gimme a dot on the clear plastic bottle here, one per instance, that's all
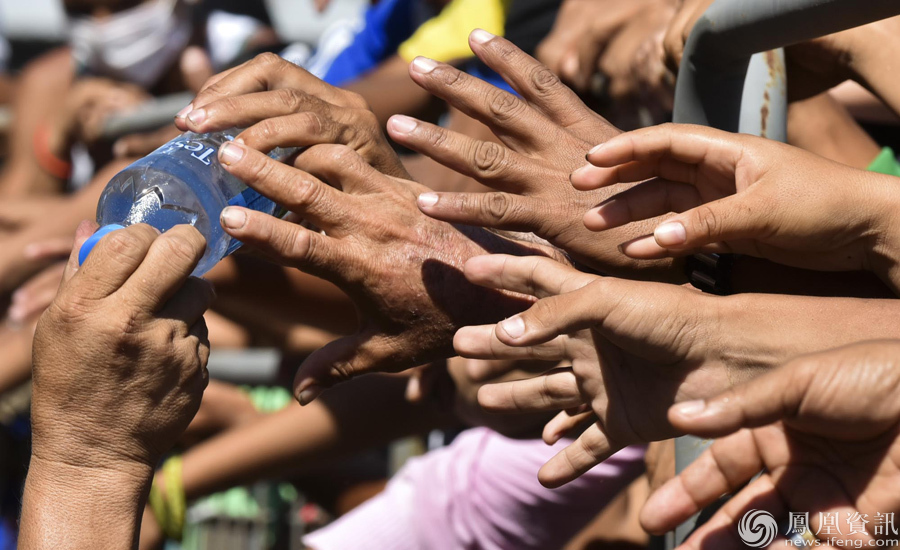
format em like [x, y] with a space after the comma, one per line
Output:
[182, 182]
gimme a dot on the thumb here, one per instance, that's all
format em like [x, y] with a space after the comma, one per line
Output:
[196, 68]
[760, 402]
[729, 219]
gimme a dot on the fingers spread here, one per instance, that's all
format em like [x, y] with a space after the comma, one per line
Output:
[532, 275]
[721, 529]
[547, 392]
[171, 259]
[486, 161]
[511, 118]
[726, 466]
[534, 81]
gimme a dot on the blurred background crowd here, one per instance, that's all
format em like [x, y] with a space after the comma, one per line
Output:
[89, 86]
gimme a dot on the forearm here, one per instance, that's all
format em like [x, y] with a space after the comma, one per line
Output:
[762, 331]
[875, 65]
[73, 507]
[340, 422]
[823, 126]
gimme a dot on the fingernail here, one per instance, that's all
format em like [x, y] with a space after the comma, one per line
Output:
[403, 124]
[596, 149]
[423, 65]
[120, 148]
[197, 116]
[481, 36]
[182, 113]
[514, 326]
[427, 200]
[308, 395]
[230, 153]
[670, 234]
[690, 408]
[233, 218]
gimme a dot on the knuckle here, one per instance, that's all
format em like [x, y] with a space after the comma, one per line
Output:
[543, 80]
[180, 246]
[435, 136]
[496, 205]
[304, 193]
[504, 106]
[706, 221]
[294, 100]
[267, 130]
[127, 241]
[489, 158]
[259, 168]
[354, 99]
[346, 158]
[268, 60]
[448, 76]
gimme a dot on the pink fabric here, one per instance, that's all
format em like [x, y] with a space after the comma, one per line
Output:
[480, 492]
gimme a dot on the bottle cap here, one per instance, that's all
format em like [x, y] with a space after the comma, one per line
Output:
[94, 239]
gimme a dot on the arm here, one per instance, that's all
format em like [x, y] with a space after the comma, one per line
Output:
[272, 446]
[67, 506]
[40, 98]
[134, 328]
[823, 126]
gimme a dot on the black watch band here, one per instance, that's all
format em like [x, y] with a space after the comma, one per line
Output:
[710, 273]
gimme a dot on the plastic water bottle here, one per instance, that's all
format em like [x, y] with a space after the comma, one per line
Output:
[182, 182]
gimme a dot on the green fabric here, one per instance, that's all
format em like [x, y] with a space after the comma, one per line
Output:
[886, 163]
[268, 399]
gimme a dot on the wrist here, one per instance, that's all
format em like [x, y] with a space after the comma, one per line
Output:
[883, 239]
[82, 507]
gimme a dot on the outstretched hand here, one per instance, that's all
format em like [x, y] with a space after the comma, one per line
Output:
[826, 429]
[402, 269]
[746, 195]
[635, 348]
[282, 105]
[545, 134]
